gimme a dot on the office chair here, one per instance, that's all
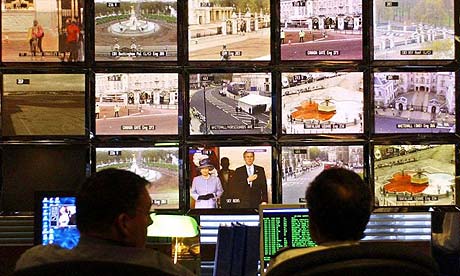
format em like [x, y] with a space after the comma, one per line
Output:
[90, 268]
[368, 258]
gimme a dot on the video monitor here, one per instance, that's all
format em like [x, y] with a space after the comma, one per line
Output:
[56, 220]
[136, 103]
[38, 31]
[226, 177]
[414, 102]
[413, 30]
[321, 30]
[282, 226]
[414, 175]
[301, 164]
[30, 168]
[230, 103]
[233, 30]
[158, 165]
[43, 105]
[326, 102]
[128, 30]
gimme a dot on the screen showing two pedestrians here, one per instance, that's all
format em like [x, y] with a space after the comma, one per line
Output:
[34, 31]
[136, 103]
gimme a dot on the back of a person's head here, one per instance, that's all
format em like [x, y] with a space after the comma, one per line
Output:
[105, 195]
[340, 204]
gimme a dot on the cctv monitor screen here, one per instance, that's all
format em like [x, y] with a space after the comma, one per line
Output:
[135, 30]
[326, 102]
[43, 31]
[413, 30]
[414, 102]
[414, 175]
[307, 34]
[234, 30]
[283, 226]
[30, 168]
[43, 104]
[219, 177]
[301, 164]
[230, 103]
[158, 165]
[57, 220]
[136, 103]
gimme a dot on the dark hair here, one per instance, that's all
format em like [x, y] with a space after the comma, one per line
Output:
[105, 195]
[247, 151]
[340, 204]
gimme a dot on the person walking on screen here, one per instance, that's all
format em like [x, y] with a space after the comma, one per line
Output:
[301, 35]
[116, 111]
[206, 188]
[36, 34]
[73, 36]
[250, 183]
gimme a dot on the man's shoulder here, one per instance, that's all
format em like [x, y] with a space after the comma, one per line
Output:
[292, 253]
[240, 168]
[42, 254]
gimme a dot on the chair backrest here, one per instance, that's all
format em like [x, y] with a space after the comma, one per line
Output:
[89, 268]
[376, 259]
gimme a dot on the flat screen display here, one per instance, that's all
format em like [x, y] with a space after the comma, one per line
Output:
[58, 221]
[42, 31]
[283, 226]
[219, 177]
[414, 175]
[413, 30]
[414, 102]
[319, 30]
[159, 166]
[326, 102]
[30, 168]
[301, 164]
[233, 30]
[230, 103]
[135, 30]
[43, 104]
[136, 103]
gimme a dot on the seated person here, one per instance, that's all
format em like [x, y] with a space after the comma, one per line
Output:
[113, 212]
[339, 204]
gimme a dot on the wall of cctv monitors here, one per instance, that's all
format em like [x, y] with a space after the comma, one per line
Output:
[187, 92]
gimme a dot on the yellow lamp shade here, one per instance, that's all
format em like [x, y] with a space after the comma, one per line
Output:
[172, 226]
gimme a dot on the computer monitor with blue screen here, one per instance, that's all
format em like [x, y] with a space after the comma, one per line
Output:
[282, 226]
[55, 219]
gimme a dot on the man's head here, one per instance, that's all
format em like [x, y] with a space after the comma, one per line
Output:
[340, 206]
[248, 157]
[114, 204]
[224, 163]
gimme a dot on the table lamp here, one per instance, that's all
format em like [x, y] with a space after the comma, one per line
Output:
[174, 226]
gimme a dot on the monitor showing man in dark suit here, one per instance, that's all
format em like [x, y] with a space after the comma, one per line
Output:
[250, 183]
